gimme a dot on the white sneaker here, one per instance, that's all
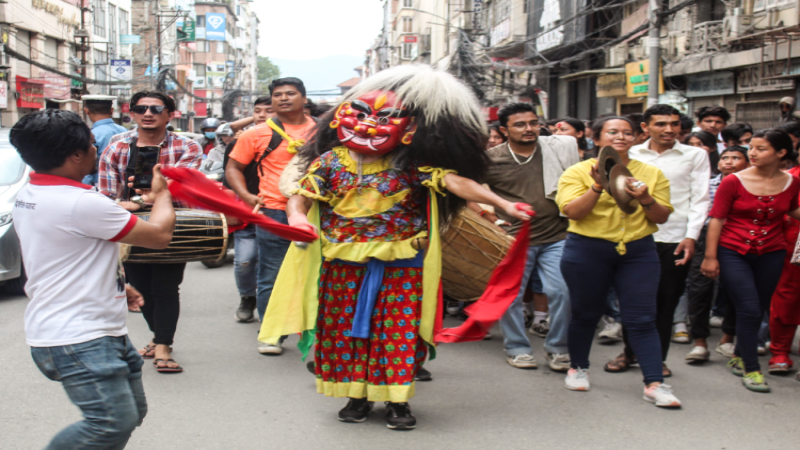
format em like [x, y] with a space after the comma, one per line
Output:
[270, 349]
[558, 362]
[612, 332]
[540, 329]
[762, 350]
[662, 396]
[715, 322]
[523, 361]
[725, 350]
[698, 354]
[577, 380]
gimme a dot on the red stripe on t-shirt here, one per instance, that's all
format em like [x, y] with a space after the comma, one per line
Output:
[127, 229]
[43, 179]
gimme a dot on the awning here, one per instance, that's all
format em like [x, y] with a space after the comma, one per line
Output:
[592, 73]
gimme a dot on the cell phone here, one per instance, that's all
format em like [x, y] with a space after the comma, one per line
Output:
[146, 159]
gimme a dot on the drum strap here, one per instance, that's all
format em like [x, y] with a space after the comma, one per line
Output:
[370, 286]
[130, 169]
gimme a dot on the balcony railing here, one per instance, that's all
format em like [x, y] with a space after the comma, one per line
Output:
[707, 37]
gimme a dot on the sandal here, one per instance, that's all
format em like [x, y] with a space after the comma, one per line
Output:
[665, 372]
[148, 352]
[619, 364]
[166, 368]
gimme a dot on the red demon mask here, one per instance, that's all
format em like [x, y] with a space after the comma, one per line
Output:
[375, 123]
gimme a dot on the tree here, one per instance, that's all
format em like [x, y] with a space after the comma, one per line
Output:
[267, 71]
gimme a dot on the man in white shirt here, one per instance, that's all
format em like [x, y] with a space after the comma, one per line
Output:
[75, 321]
[687, 170]
[713, 119]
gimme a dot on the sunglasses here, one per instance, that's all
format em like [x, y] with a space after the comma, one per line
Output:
[142, 109]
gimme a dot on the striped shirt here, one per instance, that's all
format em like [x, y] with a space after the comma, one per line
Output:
[713, 185]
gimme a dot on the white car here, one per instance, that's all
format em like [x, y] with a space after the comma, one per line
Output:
[14, 174]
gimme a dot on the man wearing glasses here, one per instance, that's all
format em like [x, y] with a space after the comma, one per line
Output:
[158, 283]
[526, 169]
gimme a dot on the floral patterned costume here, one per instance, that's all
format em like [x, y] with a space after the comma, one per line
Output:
[365, 226]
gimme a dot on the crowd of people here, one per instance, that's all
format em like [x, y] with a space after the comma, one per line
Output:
[654, 226]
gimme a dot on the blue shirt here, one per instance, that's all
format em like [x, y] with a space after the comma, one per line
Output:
[103, 131]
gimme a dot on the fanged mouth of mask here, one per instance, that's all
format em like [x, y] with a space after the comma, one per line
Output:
[350, 135]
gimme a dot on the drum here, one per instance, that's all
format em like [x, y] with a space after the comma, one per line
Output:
[471, 249]
[199, 236]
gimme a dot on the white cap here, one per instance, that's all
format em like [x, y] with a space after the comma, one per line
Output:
[99, 97]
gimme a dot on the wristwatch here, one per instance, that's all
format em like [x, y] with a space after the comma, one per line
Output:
[139, 201]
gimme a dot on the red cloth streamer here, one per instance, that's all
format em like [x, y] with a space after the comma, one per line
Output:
[503, 288]
[192, 187]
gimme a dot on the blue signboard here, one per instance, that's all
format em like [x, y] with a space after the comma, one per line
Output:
[126, 39]
[215, 27]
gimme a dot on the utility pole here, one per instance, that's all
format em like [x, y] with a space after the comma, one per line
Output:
[152, 67]
[158, 37]
[653, 42]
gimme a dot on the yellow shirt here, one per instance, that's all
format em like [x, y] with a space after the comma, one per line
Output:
[606, 220]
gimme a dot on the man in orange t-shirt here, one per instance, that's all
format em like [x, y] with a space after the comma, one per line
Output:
[288, 98]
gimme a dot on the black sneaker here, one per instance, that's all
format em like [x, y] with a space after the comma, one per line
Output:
[399, 417]
[356, 410]
[246, 307]
[311, 366]
[423, 375]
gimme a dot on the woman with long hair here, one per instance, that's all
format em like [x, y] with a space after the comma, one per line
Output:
[745, 244]
[607, 247]
[708, 142]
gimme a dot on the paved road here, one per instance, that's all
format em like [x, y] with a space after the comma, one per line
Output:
[230, 397]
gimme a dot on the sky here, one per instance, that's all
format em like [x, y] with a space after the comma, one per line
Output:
[313, 29]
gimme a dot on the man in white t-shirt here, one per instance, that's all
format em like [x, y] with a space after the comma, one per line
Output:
[75, 322]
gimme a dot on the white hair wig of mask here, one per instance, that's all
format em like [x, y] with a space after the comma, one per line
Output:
[435, 93]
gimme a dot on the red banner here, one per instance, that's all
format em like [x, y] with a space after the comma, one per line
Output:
[30, 93]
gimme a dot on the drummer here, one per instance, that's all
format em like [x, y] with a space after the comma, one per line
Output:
[158, 283]
[607, 247]
[526, 169]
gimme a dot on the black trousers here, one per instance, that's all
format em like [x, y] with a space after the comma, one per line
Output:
[701, 292]
[159, 285]
[671, 284]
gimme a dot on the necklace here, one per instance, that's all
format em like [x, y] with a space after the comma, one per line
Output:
[514, 155]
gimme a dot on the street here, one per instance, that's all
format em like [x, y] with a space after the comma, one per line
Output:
[230, 397]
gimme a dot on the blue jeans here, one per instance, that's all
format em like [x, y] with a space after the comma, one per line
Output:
[271, 251]
[103, 377]
[750, 281]
[245, 260]
[545, 258]
[682, 310]
[592, 266]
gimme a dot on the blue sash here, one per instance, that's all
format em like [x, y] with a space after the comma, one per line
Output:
[370, 287]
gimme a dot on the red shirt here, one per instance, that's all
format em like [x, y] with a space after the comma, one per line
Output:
[753, 224]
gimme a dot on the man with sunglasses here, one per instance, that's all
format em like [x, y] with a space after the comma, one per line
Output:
[158, 283]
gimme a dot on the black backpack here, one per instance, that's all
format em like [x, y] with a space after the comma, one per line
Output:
[252, 171]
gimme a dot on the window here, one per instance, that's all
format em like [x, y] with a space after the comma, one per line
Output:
[203, 46]
[112, 30]
[238, 10]
[220, 46]
[408, 24]
[124, 24]
[526, 6]
[407, 49]
[201, 21]
[408, 3]
[99, 17]
[200, 70]
[100, 62]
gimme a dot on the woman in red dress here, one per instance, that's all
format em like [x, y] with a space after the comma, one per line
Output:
[745, 242]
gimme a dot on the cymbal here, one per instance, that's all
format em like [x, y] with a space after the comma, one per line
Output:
[606, 159]
[616, 188]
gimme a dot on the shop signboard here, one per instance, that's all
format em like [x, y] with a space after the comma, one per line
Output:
[30, 93]
[3, 94]
[56, 86]
[187, 32]
[121, 69]
[611, 85]
[215, 27]
[215, 74]
[127, 39]
[710, 84]
[637, 78]
[749, 80]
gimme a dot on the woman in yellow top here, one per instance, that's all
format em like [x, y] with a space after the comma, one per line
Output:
[606, 247]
